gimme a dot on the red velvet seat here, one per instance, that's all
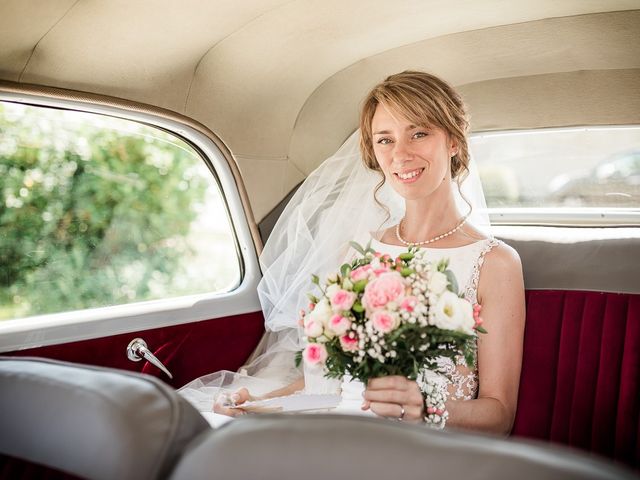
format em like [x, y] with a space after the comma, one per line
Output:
[581, 372]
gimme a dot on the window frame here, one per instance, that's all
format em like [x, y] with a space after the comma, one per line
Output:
[587, 217]
[64, 327]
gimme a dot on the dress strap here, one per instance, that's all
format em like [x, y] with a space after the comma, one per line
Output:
[471, 291]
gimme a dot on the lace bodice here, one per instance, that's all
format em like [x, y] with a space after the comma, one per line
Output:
[466, 264]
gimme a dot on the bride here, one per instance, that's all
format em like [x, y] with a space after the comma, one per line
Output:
[404, 179]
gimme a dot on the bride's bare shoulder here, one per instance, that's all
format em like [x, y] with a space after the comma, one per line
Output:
[502, 258]
[502, 266]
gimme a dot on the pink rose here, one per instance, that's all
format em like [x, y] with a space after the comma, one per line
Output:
[314, 354]
[339, 324]
[360, 273]
[383, 321]
[348, 343]
[409, 303]
[342, 300]
[388, 287]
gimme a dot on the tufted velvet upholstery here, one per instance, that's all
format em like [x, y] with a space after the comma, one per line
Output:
[581, 372]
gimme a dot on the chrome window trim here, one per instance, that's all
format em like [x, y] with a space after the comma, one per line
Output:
[562, 216]
[79, 325]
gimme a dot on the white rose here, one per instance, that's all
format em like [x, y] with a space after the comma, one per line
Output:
[438, 283]
[321, 313]
[453, 313]
[312, 328]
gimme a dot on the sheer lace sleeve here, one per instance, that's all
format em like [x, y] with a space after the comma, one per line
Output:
[462, 380]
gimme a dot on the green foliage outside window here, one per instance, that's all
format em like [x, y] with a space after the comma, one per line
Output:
[94, 211]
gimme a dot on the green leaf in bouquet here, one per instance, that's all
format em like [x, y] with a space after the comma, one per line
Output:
[345, 270]
[312, 298]
[481, 329]
[358, 248]
[393, 336]
[453, 283]
[414, 371]
[298, 358]
[468, 357]
[442, 265]
[358, 287]
[406, 256]
[368, 248]
[315, 279]
[357, 307]
[405, 272]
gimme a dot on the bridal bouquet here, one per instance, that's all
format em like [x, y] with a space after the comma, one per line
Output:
[387, 316]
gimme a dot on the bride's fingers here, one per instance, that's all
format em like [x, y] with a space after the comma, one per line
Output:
[394, 382]
[226, 402]
[389, 396]
[401, 397]
[240, 396]
[394, 410]
[221, 409]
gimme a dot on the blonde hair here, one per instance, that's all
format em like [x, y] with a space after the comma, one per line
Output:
[424, 100]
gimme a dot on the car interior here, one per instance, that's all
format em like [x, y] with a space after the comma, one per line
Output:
[256, 95]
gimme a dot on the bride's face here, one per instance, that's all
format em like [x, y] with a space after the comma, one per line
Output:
[414, 159]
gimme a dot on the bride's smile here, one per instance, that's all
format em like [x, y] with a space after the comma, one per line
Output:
[409, 176]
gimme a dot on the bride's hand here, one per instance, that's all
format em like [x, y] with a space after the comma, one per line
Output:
[224, 403]
[394, 397]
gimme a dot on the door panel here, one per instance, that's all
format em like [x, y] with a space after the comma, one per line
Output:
[188, 351]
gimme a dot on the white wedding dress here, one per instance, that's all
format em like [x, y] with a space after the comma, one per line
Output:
[461, 381]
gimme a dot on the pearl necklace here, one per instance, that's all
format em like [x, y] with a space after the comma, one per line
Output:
[431, 240]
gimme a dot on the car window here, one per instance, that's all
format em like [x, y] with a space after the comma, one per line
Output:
[100, 211]
[569, 167]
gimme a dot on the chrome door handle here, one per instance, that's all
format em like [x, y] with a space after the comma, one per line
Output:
[137, 350]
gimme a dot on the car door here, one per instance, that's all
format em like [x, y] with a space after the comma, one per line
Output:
[123, 222]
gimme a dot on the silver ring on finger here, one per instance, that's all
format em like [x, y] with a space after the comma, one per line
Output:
[401, 417]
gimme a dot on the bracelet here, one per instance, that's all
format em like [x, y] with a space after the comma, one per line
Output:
[435, 396]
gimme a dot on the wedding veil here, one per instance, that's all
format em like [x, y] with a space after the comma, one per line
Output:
[333, 206]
